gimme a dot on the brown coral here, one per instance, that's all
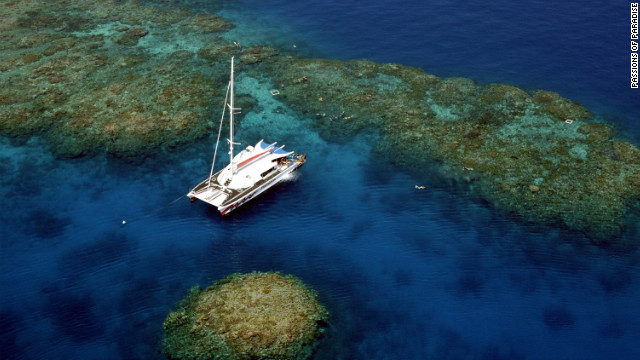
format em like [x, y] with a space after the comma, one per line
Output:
[246, 316]
[131, 37]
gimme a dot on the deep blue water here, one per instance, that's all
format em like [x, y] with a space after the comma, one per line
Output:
[406, 274]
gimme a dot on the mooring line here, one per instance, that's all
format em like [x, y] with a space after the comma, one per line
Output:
[124, 222]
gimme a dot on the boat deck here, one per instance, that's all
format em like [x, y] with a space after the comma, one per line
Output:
[221, 196]
[237, 195]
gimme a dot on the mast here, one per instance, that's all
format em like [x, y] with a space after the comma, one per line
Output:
[233, 170]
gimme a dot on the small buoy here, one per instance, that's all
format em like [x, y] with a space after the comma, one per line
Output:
[124, 222]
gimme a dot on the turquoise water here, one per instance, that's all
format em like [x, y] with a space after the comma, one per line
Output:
[406, 273]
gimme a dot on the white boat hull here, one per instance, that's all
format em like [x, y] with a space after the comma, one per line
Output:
[226, 199]
[259, 190]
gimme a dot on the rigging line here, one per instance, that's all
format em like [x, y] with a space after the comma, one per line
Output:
[154, 211]
[224, 108]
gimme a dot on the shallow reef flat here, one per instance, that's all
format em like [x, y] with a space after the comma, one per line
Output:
[109, 76]
[537, 155]
[127, 78]
[260, 315]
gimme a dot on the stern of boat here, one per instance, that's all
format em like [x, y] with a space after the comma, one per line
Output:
[209, 194]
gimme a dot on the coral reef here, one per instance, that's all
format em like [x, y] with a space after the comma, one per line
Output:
[246, 316]
[79, 74]
[206, 23]
[536, 155]
[131, 37]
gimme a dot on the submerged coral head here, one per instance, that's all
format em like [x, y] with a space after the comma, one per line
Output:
[246, 316]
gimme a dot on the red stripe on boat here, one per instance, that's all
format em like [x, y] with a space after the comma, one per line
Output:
[252, 158]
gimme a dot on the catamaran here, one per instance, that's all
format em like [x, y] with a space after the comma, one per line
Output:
[249, 173]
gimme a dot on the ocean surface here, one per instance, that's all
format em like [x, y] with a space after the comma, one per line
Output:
[405, 273]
